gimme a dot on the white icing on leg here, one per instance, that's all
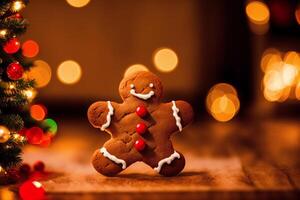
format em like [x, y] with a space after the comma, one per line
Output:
[176, 116]
[112, 157]
[108, 116]
[166, 160]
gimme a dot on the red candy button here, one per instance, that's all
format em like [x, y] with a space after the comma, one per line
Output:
[141, 128]
[141, 111]
[140, 145]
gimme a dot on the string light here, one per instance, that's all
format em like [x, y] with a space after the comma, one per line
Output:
[30, 94]
[3, 33]
[17, 6]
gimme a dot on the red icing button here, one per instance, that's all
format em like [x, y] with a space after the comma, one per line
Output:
[141, 128]
[140, 145]
[141, 111]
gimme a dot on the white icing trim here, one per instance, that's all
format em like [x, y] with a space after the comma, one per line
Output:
[112, 157]
[176, 116]
[167, 160]
[108, 116]
[142, 96]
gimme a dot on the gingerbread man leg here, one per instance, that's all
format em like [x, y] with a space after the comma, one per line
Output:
[172, 165]
[104, 165]
[116, 155]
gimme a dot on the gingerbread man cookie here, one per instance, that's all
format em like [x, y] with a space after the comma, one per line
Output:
[140, 127]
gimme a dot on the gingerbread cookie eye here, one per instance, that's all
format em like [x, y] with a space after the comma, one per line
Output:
[131, 86]
[151, 85]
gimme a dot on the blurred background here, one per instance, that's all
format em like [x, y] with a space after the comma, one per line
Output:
[236, 62]
[86, 46]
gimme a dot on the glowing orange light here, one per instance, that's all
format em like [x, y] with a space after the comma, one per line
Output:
[165, 59]
[258, 12]
[135, 68]
[78, 3]
[222, 102]
[38, 112]
[297, 14]
[69, 72]
[30, 49]
[270, 58]
[40, 72]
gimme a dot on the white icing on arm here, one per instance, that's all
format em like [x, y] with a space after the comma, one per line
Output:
[176, 116]
[108, 116]
[112, 157]
[166, 160]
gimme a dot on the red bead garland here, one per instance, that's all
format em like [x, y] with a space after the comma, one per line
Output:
[140, 145]
[141, 111]
[141, 128]
[12, 46]
[14, 71]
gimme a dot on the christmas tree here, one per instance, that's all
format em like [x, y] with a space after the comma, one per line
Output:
[15, 90]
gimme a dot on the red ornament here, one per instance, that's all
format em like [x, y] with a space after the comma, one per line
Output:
[46, 140]
[141, 128]
[25, 169]
[32, 190]
[141, 111]
[12, 46]
[14, 71]
[17, 16]
[39, 166]
[140, 145]
[34, 135]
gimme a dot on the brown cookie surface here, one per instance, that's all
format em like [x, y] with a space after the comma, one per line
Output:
[140, 127]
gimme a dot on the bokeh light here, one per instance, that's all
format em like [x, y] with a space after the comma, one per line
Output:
[270, 58]
[222, 102]
[297, 14]
[165, 59]
[69, 72]
[50, 125]
[40, 72]
[78, 3]
[30, 94]
[281, 75]
[135, 68]
[258, 12]
[30, 49]
[38, 112]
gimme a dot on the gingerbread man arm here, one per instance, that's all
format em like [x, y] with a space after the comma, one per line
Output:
[185, 113]
[100, 114]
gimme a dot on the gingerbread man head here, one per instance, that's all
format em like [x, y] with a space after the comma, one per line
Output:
[144, 86]
[140, 127]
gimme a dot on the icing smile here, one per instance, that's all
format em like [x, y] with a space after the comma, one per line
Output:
[142, 96]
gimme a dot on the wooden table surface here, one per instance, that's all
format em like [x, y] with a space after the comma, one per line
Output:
[236, 160]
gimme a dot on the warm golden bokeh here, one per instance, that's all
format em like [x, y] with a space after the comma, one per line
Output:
[165, 59]
[78, 3]
[40, 72]
[281, 75]
[222, 102]
[258, 12]
[69, 72]
[135, 68]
